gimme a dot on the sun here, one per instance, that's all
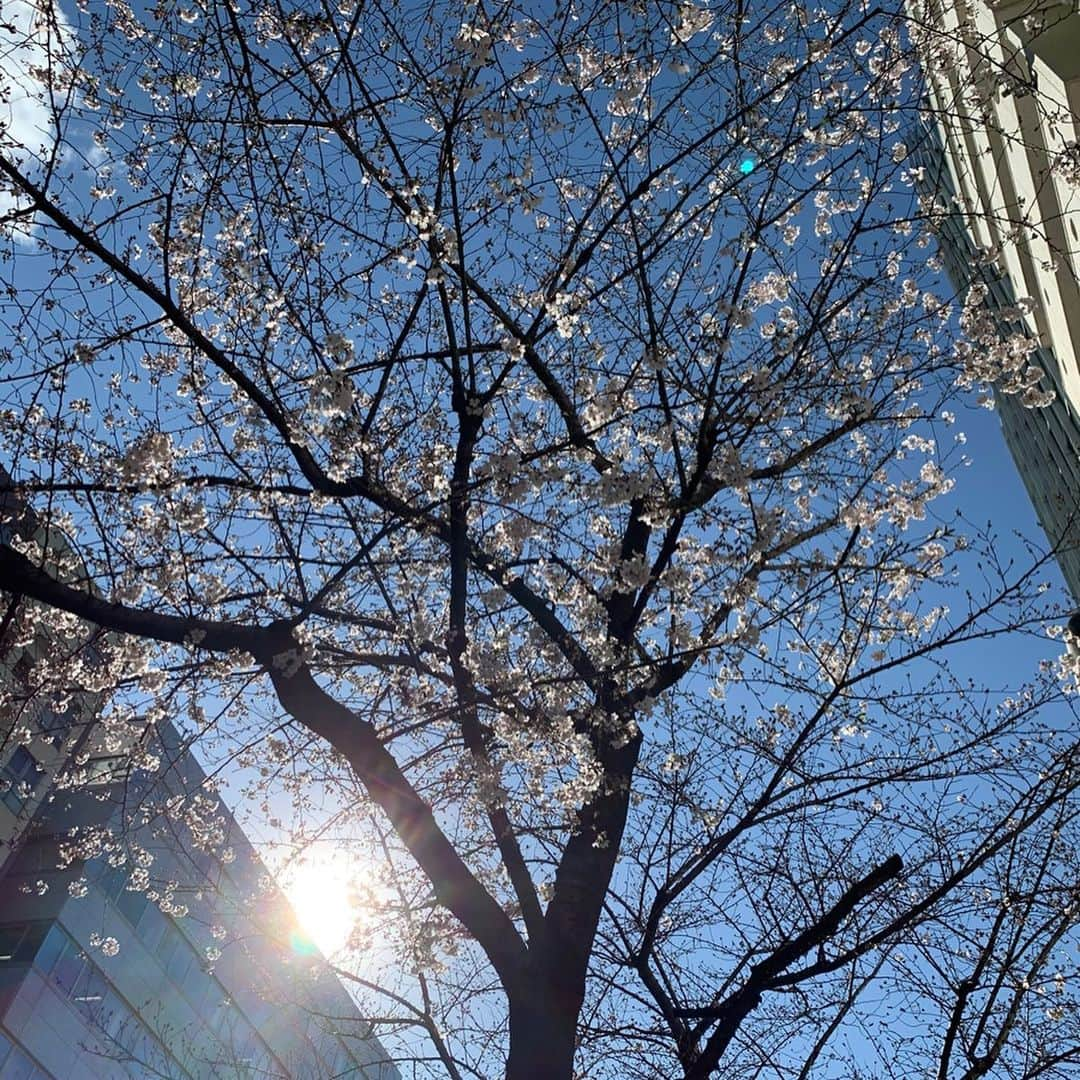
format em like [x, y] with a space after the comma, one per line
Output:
[319, 886]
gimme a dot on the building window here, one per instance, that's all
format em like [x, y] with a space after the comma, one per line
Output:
[131, 903]
[20, 942]
[17, 1066]
[152, 928]
[89, 991]
[22, 669]
[19, 777]
[52, 948]
[52, 724]
[67, 968]
[106, 770]
[10, 937]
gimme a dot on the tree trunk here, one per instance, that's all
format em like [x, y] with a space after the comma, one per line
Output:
[543, 1028]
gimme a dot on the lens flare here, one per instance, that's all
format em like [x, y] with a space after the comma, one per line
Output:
[319, 888]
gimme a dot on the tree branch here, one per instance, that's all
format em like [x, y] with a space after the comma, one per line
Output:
[731, 1012]
[454, 884]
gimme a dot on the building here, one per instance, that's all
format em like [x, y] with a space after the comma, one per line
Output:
[1004, 93]
[40, 731]
[163, 955]
[140, 934]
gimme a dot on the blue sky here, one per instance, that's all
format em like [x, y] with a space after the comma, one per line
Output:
[988, 491]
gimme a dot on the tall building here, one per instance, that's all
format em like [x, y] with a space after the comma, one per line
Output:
[170, 954]
[1004, 91]
[40, 730]
[140, 934]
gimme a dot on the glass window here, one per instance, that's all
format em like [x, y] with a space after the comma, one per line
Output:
[22, 668]
[180, 963]
[222, 1020]
[138, 1043]
[170, 942]
[18, 1066]
[32, 939]
[244, 1041]
[196, 987]
[152, 927]
[50, 949]
[105, 770]
[68, 969]
[53, 724]
[90, 989]
[114, 1017]
[341, 1058]
[131, 904]
[19, 777]
[111, 879]
[154, 1056]
[10, 937]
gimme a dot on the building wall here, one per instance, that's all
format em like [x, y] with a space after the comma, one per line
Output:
[189, 973]
[211, 991]
[39, 735]
[1004, 156]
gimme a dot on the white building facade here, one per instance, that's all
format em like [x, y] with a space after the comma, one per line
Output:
[1004, 93]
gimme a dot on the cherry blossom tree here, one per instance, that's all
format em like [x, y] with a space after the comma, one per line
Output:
[534, 424]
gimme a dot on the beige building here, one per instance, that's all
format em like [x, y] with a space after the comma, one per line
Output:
[1004, 90]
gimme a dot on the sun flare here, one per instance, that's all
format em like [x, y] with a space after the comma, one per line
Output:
[321, 892]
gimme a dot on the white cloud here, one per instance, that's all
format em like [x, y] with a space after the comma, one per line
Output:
[33, 36]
